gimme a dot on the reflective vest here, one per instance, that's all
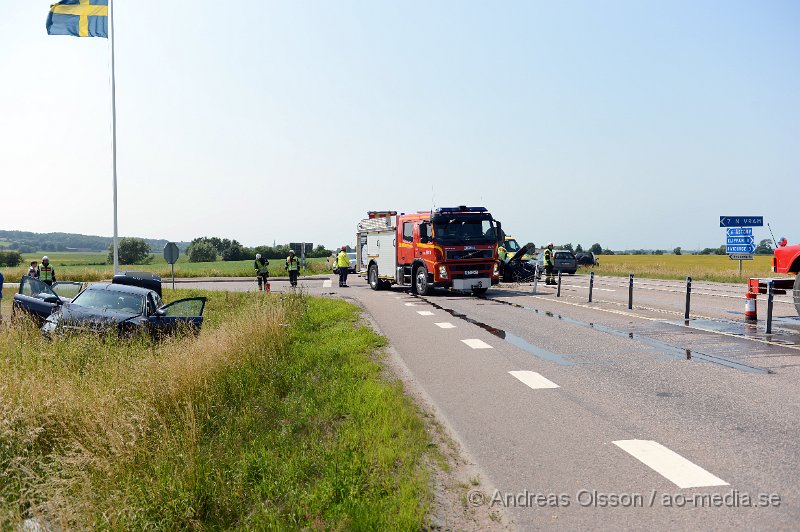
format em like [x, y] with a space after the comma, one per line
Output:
[259, 265]
[501, 253]
[46, 273]
[342, 260]
[548, 257]
[292, 264]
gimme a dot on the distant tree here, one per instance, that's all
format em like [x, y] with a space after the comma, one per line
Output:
[578, 249]
[720, 251]
[131, 251]
[597, 249]
[658, 252]
[202, 252]
[10, 258]
[606, 252]
[677, 250]
[567, 246]
[707, 251]
[764, 247]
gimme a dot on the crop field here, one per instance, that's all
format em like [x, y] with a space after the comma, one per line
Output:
[700, 267]
[275, 417]
[74, 266]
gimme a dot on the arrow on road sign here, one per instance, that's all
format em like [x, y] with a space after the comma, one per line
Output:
[740, 231]
[740, 256]
[740, 249]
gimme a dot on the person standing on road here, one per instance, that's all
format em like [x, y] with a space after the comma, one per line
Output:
[343, 263]
[33, 271]
[293, 267]
[548, 264]
[262, 273]
[502, 255]
[47, 274]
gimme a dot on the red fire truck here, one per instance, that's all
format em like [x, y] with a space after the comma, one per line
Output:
[449, 247]
[785, 260]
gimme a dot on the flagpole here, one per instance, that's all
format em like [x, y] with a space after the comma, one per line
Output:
[113, 134]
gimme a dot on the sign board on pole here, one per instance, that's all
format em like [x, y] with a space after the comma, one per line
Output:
[740, 256]
[750, 248]
[171, 254]
[741, 221]
[740, 231]
[740, 241]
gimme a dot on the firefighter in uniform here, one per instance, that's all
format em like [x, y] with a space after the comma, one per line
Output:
[262, 274]
[47, 274]
[293, 267]
[548, 264]
[343, 263]
[502, 255]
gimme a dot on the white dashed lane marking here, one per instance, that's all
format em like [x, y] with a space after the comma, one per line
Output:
[410, 304]
[445, 325]
[425, 313]
[533, 379]
[326, 284]
[474, 343]
[669, 464]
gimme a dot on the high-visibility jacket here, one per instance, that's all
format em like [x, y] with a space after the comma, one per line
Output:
[548, 257]
[342, 260]
[501, 253]
[292, 264]
[260, 265]
[47, 273]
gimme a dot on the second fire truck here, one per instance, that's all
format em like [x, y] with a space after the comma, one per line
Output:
[449, 247]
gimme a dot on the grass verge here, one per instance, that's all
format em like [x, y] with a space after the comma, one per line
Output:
[276, 416]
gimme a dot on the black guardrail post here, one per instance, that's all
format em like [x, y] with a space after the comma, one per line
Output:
[688, 298]
[770, 296]
[591, 285]
[558, 293]
[630, 291]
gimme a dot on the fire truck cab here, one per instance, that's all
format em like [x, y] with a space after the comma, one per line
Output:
[450, 247]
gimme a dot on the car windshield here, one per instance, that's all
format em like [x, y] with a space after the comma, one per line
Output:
[511, 245]
[110, 300]
[456, 229]
[564, 255]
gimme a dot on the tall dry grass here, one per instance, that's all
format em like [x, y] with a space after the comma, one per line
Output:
[77, 412]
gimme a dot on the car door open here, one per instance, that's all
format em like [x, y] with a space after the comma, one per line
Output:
[184, 312]
[35, 298]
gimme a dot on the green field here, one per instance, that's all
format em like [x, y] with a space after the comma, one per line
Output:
[700, 267]
[72, 266]
[276, 417]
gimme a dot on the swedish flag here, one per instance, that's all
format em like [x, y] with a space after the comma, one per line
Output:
[80, 18]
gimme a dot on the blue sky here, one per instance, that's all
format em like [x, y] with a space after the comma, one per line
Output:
[635, 124]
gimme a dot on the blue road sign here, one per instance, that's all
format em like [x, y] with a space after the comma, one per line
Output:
[741, 221]
[740, 231]
[740, 240]
[749, 248]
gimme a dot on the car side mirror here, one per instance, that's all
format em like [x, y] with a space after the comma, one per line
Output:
[51, 299]
[161, 312]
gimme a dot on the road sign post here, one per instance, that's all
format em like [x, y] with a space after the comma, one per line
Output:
[171, 254]
[740, 244]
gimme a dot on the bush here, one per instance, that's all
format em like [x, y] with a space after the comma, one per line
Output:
[202, 252]
[10, 258]
[131, 251]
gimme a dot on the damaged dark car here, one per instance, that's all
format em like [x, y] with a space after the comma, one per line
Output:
[104, 307]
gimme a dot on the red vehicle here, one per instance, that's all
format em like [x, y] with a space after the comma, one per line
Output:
[450, 247]
[786, 260]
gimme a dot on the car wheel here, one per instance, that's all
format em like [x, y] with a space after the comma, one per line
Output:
[372, 276]
[423, 287]
[796, 293]
[479, 291]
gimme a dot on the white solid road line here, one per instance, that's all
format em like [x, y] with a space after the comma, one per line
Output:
[533, 379]
[670, 464]
[411, 304]
[474, 343]
[326, 284]
[445, 325]
[425, 313]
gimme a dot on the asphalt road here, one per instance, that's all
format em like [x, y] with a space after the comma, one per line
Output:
[592, 415]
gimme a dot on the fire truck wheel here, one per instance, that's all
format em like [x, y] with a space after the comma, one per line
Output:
[372, 276]
[479, 291]
[421, 281]
[797, 293]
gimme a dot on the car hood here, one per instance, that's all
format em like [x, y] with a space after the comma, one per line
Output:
[78, 314]
[519, 254]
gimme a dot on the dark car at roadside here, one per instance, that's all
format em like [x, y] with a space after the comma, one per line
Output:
[107, 307]
[563, 260]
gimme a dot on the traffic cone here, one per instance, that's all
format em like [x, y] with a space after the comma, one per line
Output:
[750, 306]
[266, 286]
